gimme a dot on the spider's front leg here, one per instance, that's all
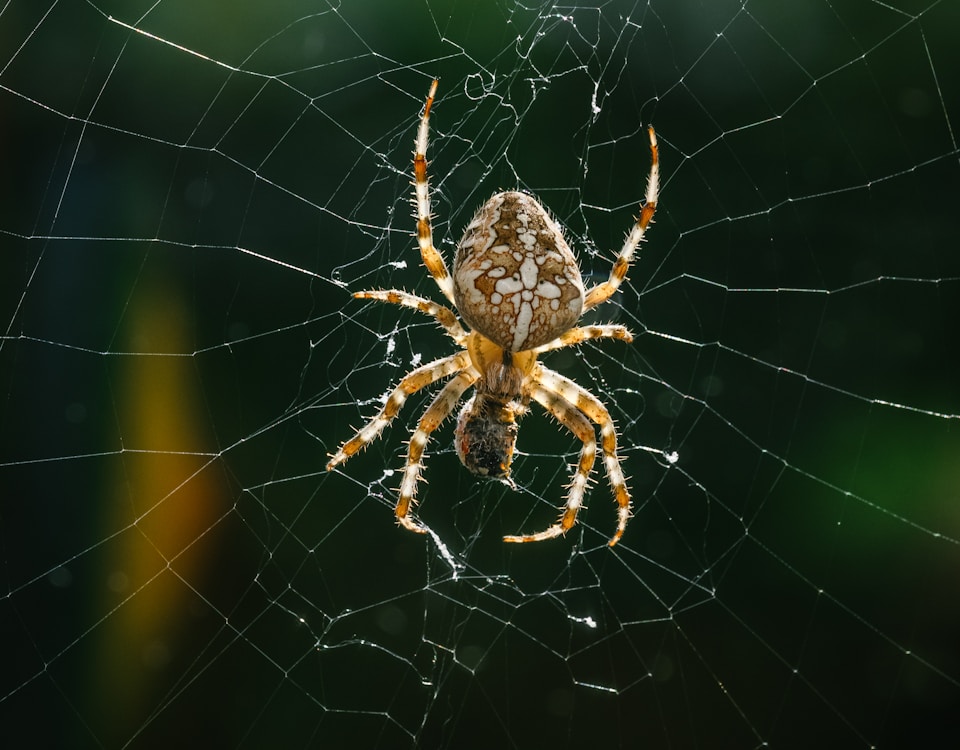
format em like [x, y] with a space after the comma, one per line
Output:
[444, 315]
[421, 198]
[586, 333]
[602, 292]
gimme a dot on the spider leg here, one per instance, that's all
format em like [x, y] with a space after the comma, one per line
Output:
[431, 257]
[444, 315]
[574, 420]
[585, 333]
[584, 401]
[411, 383]
[602, 292]
[439, 409]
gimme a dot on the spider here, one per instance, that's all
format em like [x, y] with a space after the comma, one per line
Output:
[517, 285]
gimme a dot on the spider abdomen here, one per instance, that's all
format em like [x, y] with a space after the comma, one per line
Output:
[515, 278]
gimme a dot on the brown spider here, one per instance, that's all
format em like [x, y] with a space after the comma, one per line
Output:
[517, 284]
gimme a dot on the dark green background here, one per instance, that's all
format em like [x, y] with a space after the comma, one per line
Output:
[236, 170]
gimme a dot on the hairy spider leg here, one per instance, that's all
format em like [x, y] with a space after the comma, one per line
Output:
[602, 292]
[444, 315]
[574, 420]
[431, 256]
[440, 408]
[586, 333]
[584, 401]
[417, 380]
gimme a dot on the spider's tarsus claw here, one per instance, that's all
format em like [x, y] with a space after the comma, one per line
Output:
[410, 525]
[335, 460]
[430, 95]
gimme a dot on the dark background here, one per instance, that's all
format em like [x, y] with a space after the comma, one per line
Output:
[192, 190]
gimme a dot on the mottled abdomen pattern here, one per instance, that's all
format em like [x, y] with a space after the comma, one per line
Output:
[515, 279]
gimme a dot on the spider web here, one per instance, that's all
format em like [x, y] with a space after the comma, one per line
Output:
[192, 192]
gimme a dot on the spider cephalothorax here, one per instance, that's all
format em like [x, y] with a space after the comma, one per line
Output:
[517, 285]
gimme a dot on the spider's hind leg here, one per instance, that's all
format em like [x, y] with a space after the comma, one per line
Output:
[568, 415]
[440, 408]
[560, 394]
